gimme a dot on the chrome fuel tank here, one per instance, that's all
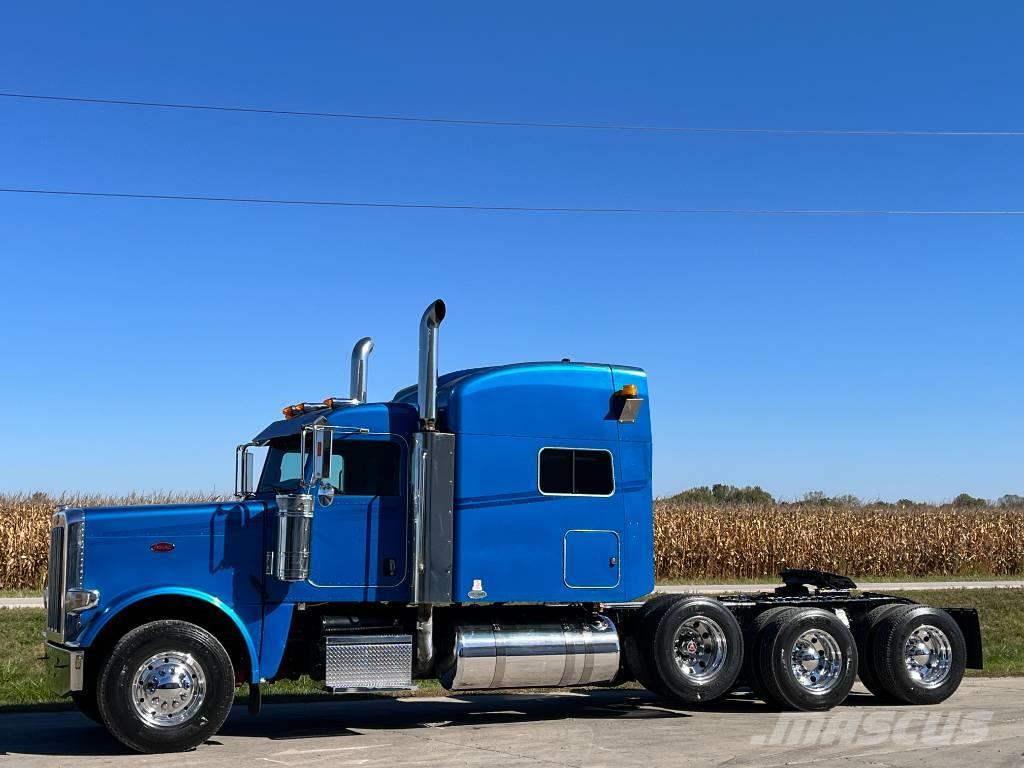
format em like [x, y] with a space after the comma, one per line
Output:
[555, 653]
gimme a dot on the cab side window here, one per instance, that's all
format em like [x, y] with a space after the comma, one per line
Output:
[575, 472]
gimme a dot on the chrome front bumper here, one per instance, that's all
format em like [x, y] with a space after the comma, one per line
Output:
[65, 668]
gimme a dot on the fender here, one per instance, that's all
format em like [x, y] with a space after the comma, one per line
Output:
[95, 625]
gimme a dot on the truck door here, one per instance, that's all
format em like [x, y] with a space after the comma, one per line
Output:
[359, 540]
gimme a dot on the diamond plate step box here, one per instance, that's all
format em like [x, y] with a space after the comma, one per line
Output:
[378, 662]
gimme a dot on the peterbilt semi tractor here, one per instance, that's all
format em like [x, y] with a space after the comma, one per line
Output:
[488, 528]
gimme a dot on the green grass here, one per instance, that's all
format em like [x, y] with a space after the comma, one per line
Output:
[22, 681]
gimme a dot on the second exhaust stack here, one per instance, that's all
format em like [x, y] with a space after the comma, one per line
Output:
[426, 386]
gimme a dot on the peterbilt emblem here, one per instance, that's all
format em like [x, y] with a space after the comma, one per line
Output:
[162, 546]
[691, 647]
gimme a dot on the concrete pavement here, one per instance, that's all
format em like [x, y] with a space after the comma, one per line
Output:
[714, 589]
[21, 602]
[618, 728]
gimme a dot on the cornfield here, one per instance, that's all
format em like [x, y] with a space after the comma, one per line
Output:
[25, 528]
[700, 541]
[694, 541]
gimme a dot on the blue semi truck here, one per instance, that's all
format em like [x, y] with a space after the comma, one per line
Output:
[490, 528]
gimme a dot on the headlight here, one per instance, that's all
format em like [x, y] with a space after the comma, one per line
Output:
[78, 600]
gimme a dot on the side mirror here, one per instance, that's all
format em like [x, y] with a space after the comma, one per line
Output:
[248, 472]
[245, 474]
[325, 493]
[323, 445]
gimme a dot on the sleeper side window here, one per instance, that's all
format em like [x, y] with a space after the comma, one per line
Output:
[575, 472]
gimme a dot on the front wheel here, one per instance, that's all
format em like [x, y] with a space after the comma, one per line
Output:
[166, 687]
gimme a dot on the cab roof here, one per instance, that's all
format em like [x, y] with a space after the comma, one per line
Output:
[526, 398]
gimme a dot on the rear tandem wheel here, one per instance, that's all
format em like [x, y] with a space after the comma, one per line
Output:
[688, 649]
[806, 659]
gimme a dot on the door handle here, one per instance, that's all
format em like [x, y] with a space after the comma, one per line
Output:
[613, 561]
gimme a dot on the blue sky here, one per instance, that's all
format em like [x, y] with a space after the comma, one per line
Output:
[877, 356]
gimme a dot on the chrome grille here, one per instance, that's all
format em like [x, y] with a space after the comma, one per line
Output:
[55, 580]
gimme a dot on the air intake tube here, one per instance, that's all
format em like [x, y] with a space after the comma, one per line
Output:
[360, 358]
[426, 386]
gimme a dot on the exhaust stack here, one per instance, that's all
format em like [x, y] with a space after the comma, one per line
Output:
[360, 358]
[426, 386]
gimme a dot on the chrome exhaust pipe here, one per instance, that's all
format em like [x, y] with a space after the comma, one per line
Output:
[360, 357]
[426, 386]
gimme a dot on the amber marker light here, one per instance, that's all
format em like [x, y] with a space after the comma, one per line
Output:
[291, 411]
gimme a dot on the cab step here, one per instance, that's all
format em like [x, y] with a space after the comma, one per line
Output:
[381, 661]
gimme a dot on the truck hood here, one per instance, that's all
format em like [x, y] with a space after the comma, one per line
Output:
[214, 549]
[172, 520]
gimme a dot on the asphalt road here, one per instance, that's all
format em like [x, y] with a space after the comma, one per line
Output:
[713, 589]
[980, 726]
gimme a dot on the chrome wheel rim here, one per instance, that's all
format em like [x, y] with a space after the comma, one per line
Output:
[700, 648]
[928, 656]
[168, 689]
[816, 661]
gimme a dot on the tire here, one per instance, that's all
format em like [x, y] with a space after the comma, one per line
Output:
[751, 673]
[864, 631]
[694, 649]
[637, 657]
[821, 638]
[87, 705]
[197, 675]
[934, 674]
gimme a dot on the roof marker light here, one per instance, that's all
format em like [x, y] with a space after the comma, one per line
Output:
[291, 411]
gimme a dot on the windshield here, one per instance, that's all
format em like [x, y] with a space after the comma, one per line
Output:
[359, 467]
[282, 471]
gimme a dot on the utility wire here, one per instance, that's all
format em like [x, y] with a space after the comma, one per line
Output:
[507, 123]
[516, 208]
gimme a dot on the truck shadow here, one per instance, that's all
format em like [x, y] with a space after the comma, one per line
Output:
[68, 733]
[348, 718]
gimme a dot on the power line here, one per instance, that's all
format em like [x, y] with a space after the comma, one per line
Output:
[507, 123]
[514, 208]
